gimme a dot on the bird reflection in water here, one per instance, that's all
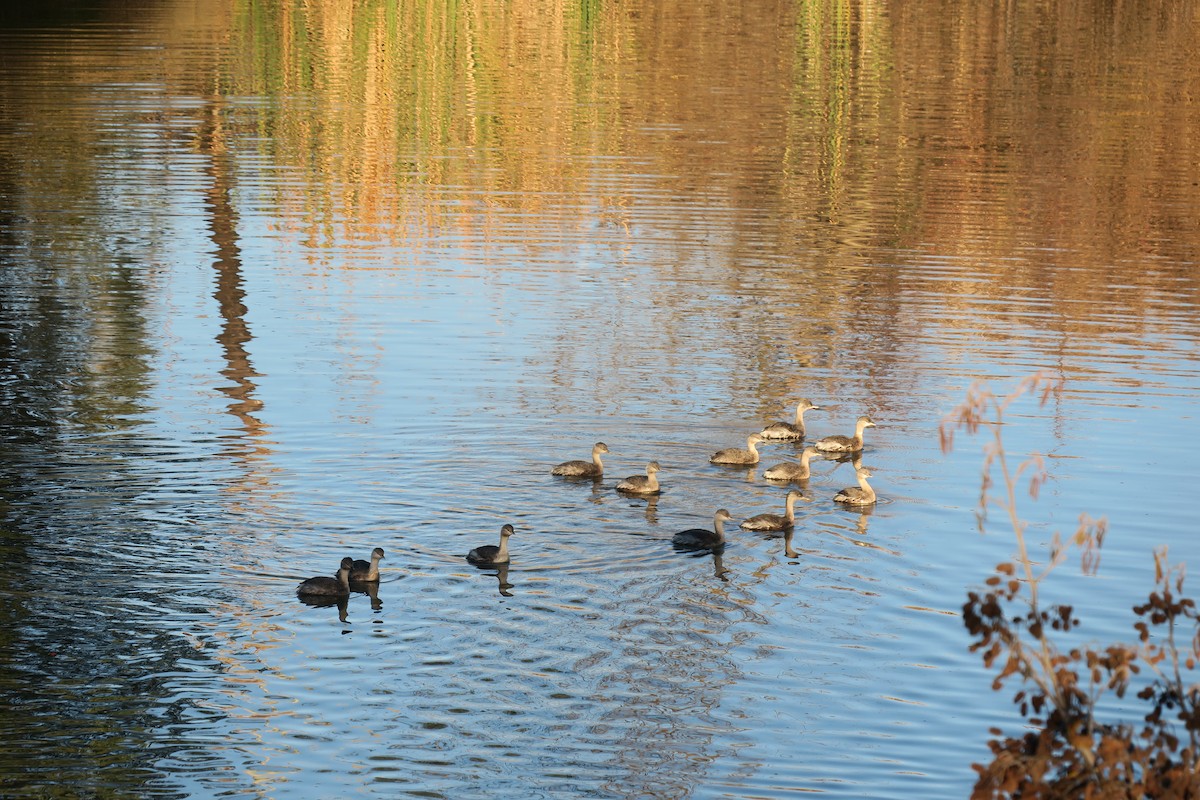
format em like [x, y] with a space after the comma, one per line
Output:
[502, 584]
[652, 509]
[371, 590]
[788, 550]
[858, 538]
[785, 532]
[327, 601]
[717, 553]
[719, 568]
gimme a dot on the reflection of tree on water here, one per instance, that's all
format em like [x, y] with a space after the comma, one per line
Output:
[91, 629]
[230, 295]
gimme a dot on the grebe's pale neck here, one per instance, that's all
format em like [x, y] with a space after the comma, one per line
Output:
[719, 519]
[502, 553]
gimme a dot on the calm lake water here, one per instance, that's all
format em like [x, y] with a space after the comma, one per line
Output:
[283, 282]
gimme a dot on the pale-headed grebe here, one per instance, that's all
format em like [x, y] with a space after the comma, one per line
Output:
[790, 471]
[583, 469]
[775, 522]
[734, 455]
[845, 444]
[325, 585]
[860, 495]
[702, 539]
[642, 484]
[490, 553]
[367, 570]
[790, 430]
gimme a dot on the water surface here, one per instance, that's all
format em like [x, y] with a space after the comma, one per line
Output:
[284, 283]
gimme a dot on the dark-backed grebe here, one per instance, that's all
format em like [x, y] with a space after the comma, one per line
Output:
[367, 571]
[325, 585]
[490, 553]
[701, 538]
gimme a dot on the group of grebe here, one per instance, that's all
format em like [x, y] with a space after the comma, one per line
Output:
[701, 538]
[350, 570]
[692, 539]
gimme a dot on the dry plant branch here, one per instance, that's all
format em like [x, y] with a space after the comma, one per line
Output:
[1068, 751]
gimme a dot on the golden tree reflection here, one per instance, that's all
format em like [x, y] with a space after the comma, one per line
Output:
[818, 137]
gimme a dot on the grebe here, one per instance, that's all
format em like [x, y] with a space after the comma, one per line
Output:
[642, 484]
[845, 444]
[583, 469]
[860, 495]
[789, 471]
[490, 553]
[790, 430]
[702, 539]
[775, 522]
[325, 585]
[734, 455]
[367, 570]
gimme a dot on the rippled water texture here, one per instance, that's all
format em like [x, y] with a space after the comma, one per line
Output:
[283, 282]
